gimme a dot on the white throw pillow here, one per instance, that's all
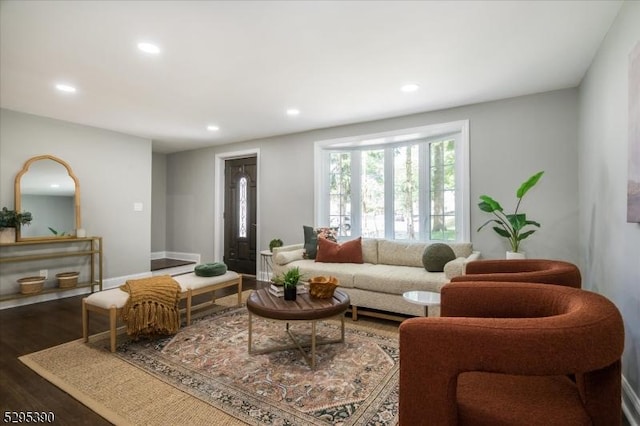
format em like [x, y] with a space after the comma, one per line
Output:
[284, 257]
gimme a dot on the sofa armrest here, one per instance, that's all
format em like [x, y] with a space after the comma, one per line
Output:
[475, 255]
[456, 267]
[285, 257]
[290, 247]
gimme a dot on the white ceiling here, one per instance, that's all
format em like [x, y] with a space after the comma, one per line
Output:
[241, 64]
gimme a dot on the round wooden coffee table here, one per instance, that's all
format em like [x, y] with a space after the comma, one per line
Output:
[304, 308]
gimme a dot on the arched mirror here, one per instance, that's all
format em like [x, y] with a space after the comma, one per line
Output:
[47, 187]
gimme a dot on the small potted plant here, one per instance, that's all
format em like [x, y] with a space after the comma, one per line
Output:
[289, 281]
[9, 221]
[276, 242]
[511, 226]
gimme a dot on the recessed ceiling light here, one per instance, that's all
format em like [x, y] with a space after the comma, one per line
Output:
[55, 185]
[293, 111]
[65, 88]
[410, 87]
[213, 128]
[149, 48]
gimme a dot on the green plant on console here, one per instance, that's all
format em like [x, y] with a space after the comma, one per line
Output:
[290, 278]
[511, 226]
[276, 242]
[13, 219]
[56, 233]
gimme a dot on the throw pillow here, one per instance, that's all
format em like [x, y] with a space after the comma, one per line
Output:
[347, 252]
[284, 257]
[310, 242]
[437, 255]
[210, 269]
[311, 237]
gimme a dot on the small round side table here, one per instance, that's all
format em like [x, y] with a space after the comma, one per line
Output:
[266, 265]
[424, 298]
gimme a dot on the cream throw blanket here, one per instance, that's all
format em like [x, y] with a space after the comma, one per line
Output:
[153, 306]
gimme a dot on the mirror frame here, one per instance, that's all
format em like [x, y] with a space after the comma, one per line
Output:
[18, 196]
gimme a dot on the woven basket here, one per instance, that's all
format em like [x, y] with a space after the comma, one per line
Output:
[67, 279]
[31, 285]
[322, 287]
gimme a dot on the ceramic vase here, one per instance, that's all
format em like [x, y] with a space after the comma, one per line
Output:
[516, 255]
[7, 235]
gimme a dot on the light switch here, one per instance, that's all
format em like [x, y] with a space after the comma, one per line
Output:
[137, 207]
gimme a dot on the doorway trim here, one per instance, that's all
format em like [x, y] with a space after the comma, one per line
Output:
[218, 197]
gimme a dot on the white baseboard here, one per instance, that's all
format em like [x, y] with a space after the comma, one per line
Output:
[191, 257]
[630, 403]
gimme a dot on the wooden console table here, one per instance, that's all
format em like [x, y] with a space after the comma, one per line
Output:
[85, 247]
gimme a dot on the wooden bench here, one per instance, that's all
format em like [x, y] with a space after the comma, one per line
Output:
[110, 302]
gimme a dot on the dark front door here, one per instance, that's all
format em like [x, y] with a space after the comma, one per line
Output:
[240, 215]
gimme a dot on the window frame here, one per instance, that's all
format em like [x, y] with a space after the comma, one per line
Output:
[387, 141]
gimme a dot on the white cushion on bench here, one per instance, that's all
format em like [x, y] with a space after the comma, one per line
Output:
[192, 281]
[116, 297]
[108, 298]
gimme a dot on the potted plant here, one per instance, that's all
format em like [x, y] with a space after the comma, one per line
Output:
[289, 281]
[9, 221]
[511, 226]
[276, 242]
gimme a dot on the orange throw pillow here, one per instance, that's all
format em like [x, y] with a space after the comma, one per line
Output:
[347, 252]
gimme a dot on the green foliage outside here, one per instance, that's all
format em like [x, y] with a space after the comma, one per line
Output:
[406, 176]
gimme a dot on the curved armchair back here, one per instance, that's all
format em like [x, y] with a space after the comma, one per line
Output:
[497, 341]
[523, 270]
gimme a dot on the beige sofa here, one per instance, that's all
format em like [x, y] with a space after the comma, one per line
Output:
[390, 268]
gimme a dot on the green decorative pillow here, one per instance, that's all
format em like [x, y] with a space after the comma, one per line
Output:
[310, 242]
[210, 269]
[311, 236]
[437, 255]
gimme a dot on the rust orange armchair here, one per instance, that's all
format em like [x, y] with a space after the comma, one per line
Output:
[513, 354]
[523, 270]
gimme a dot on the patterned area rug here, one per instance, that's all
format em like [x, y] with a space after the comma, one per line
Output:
[354, 383]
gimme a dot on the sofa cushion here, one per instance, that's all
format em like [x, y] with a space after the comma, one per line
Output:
[436, 255]
[344, 272]
[347, 252]
[369, 250]
[461, 249]
[398, 279]
[401, 253]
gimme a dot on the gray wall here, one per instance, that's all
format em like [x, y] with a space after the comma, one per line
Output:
[610, 247]
[114, 172]
[509, 141]
[159, 203]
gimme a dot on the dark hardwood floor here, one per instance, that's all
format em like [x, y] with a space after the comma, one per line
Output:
[158, 264]
[31, 328]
